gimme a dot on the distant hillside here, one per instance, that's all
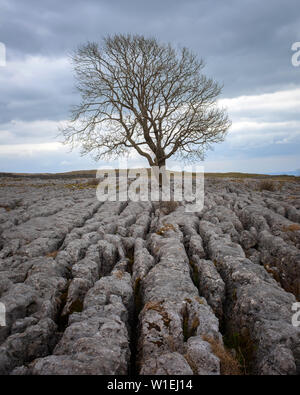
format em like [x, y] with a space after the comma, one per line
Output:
[92, 173]
[288, 173]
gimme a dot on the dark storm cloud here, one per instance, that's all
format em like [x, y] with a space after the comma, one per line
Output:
[246, 45]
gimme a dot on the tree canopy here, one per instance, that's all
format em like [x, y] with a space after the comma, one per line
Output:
[137, 93]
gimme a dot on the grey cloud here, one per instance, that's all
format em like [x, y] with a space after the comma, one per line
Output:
[246, 45]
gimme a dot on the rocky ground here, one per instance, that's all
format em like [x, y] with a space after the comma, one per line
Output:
[146, 288]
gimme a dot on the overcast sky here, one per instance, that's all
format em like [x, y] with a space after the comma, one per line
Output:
[246, 45]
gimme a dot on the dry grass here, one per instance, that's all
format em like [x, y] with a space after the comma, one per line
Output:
[157, 306]
[73, 185]
[273, 272]
[153, 305]
[291, 228]
[194, 326]
[118, 273]
[52, 254]
[93, 181]
[84, 185]
[168, 206]
[228, 364]
[171, 343]
[238, 180]
[25, 185]
[199, 300]
[165, 229]
[7, 208]
[192, 364]
[253, 176]
[245, 349]
[267, 185]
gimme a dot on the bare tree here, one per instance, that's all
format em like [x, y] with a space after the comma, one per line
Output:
[140, 94]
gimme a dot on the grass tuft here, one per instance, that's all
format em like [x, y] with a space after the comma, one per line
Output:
[291, 228]
[165, 229]
[228, 364]
[168, 206]
[268, 185]
[52, 254]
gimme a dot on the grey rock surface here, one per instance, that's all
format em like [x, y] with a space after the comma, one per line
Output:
[95, 287]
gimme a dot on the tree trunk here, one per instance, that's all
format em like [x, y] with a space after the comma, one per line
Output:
[161, 164]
